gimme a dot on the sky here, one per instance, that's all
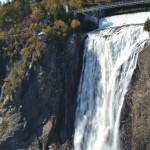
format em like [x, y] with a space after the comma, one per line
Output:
[3, 1]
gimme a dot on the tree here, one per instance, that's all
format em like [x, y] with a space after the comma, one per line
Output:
[36, 13]
[2, 36]
[147, 25]
[75, 24]
[75, 3]
[60, 29]
[14, 80]
[52, 6]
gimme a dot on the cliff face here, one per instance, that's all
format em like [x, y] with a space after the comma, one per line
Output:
[41, 113]
[135, 121]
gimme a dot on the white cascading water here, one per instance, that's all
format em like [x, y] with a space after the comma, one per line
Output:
[109, 60]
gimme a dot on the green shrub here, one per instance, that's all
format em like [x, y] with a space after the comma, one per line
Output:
[147, 25]
[3, 127]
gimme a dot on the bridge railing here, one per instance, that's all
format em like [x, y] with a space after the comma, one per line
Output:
[111, 5]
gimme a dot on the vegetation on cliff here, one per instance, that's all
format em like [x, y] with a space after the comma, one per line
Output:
[37, 66]
[21, 45]
[147, 25]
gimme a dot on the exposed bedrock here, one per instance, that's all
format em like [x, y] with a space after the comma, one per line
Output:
[41, 113]
[135, 120]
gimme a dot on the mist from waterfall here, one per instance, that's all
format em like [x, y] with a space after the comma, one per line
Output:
[109, 61]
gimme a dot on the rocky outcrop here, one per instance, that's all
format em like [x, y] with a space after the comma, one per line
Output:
[40, 114]
[135, 120]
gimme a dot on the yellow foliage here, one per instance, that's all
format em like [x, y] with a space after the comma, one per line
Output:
[75, 23]
[33, 26]
[46, 30]
[52, 5]
[60, 28]
[75, 3]
[36, 13]
[2, 36]
[26, 52]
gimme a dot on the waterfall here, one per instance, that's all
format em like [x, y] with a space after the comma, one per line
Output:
[109, 61]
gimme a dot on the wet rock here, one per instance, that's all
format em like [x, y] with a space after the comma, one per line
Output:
[135, 120]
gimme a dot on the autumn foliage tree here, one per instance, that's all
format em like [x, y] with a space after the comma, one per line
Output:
[76, 3]
[21, 21]
[60, 29]
[37, 13]
[75, 24]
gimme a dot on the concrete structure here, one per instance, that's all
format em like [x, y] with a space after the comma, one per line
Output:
[94, 13]
[111, 5]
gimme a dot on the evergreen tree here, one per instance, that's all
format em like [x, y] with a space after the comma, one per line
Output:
[147, 25]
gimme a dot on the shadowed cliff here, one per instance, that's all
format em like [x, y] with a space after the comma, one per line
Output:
[42, 111]
[135, 121]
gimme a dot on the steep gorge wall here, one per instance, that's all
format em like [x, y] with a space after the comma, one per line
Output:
[135, 120]
[36, 116]
[42, 111]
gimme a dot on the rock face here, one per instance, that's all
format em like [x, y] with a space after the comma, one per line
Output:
[40, 115]
[135, 121]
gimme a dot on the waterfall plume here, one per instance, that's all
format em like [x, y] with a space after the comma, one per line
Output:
[109, 61]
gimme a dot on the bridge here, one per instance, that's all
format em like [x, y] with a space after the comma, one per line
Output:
[111, 5]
